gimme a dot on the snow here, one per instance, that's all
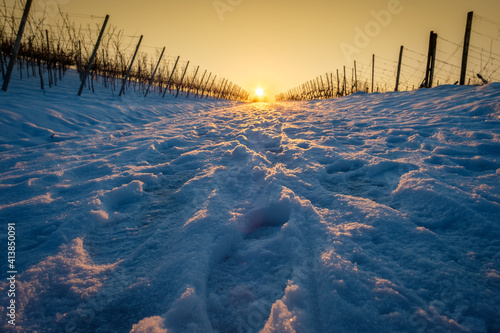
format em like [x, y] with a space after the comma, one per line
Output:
[374, 212]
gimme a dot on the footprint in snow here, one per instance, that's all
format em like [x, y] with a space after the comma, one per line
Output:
[243, 287]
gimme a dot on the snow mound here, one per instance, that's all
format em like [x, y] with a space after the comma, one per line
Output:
[149, 325]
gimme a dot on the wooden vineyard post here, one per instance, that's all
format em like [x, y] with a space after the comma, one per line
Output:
[40, 73]
[182, 79]
[192, 81]
[399, 68]
[221, 93]
[322, 86]
[434, 47]
[431, 60]
[230, 91]
[89, 66]
[217, 91]
[206, 83]
[17, 45]
[224, 89]
[426, 78]
[352, 80]
[465, 55]
[344, 87]
[171, 75]
[222, 85]
[329, 86]
[227, 90]
[338, 84]
[233, 92]
[373, 70]
[331, 80]
[201, 83]
[326, 87]
[210, 89]
[80, 71]
[49, 67]
[355, 76]
[122, 90]
[154, 72]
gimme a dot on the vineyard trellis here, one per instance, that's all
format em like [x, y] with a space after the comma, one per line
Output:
[408, 71]
[48, 49]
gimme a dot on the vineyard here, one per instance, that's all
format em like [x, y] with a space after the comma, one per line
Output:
[409, 73]
[102, 54]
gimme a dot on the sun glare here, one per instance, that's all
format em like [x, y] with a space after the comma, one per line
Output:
[259, 92]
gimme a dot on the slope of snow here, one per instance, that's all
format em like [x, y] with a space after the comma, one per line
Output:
[368, 213]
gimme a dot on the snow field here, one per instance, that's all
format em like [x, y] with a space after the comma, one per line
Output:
[368, 213]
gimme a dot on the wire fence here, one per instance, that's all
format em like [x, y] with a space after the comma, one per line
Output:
[50, 47]
[380, 75]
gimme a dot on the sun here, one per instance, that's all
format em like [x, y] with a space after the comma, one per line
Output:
[259, 92]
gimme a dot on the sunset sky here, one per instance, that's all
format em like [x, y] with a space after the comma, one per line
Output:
[279, 44]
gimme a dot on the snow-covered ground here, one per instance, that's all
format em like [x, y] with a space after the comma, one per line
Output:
[371, 213]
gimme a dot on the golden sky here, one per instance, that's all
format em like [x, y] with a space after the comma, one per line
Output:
[279, 44]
